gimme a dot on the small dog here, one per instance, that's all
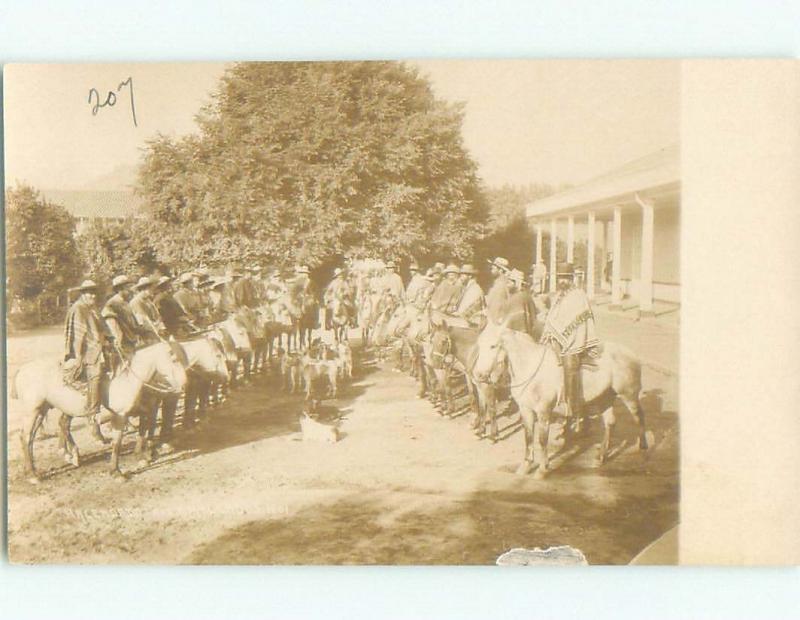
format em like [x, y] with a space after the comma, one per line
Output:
[291, 371]
[345, 360]
[317, 431]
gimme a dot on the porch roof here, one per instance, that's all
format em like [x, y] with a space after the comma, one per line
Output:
[650, 175]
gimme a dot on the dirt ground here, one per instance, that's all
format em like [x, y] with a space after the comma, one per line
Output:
[404, 485]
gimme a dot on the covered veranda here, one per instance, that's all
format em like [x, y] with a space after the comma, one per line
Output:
[629, 222]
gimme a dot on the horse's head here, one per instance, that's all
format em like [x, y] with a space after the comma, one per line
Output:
[441, 350]
[490, 353]
[238, 333]
[171, 363]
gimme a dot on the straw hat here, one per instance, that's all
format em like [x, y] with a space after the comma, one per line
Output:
[143, 282]
[162, 282]
[469, 269]
[85, 286]
[515, 275]
[186, 277]
[500, 263]
[120, 281]
[451, 268]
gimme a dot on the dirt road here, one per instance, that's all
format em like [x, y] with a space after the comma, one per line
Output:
[402, 486]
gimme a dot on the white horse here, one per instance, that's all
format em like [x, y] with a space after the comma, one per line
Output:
[40, 386]
[537, 383]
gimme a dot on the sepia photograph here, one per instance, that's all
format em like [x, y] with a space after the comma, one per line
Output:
[344, 313]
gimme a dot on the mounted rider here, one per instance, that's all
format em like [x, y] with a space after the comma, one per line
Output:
[393, 283]
[85, 341]
[244, 292]
[189, 300]
[570, 329]
[126, 332]
[338, 290]
[498, 294]
[447, 294]
[520, 313]
[472, 303]
[415, 282]
[146, 312]
[177, 323]
[425, 290]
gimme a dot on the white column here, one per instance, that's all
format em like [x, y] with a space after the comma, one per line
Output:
[604, 253]
[553, 243]
[590, 256]
[571, 239]
[538, 242]
[616, 284]
[646, 276]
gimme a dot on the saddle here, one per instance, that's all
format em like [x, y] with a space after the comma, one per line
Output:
[71, 380]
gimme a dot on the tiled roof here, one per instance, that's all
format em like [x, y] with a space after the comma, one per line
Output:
[100, 204]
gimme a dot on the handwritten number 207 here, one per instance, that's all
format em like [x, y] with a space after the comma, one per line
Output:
[111, 99]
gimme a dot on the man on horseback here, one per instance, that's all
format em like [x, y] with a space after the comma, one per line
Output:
[520, 313]
[337, 290]
[121, 322]
[394, 283]
[177, 323]
[448, 292]
[472, 302]
[188, 299]
[145, 311]
[570, 330]
[84, 344]
[497, 297]
[416, 282]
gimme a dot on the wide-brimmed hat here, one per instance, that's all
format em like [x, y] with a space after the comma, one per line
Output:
[301, 269]
[215, 282]
[186, 277]
[469, 269]
[413, 267]
[390, 264]
[143, 282]
[205, 283]
[85, 286]
[515, 275]
[451, 268]
[162, 282]
[254, 269]
[429, 275]
[438, 267]
[500, 263]
[120, 281]
[565, 269]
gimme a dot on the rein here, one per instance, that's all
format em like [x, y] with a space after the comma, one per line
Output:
[525, 383]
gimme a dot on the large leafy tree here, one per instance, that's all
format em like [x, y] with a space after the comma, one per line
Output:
[305, 161]
[42, 257]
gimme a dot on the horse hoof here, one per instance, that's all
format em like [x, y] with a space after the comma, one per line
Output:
[524, 469]
[119, 476]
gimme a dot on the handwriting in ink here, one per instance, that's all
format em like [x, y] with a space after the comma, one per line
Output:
[111, 99]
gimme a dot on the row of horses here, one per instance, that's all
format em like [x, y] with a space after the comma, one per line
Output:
[199, 367]
[496, 361]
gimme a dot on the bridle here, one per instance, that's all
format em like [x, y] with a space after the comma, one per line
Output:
[523, 384]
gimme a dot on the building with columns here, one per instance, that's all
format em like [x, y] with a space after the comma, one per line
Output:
[631, 213]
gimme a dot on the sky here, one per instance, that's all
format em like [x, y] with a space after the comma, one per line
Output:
[525, 121]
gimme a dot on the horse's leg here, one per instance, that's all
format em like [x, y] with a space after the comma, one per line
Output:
[27, 435]
[490, 412]
[635, 407]
[609, 419]
[204, 389]
[70, 447]
[528, 420]
[168, 409]
[190, 401]
[118, 423]
[543, 435]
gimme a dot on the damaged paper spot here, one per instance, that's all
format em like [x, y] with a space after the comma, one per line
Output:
[563, 555]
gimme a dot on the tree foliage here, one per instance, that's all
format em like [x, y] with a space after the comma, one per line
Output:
[303, 161]
[43, 259]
